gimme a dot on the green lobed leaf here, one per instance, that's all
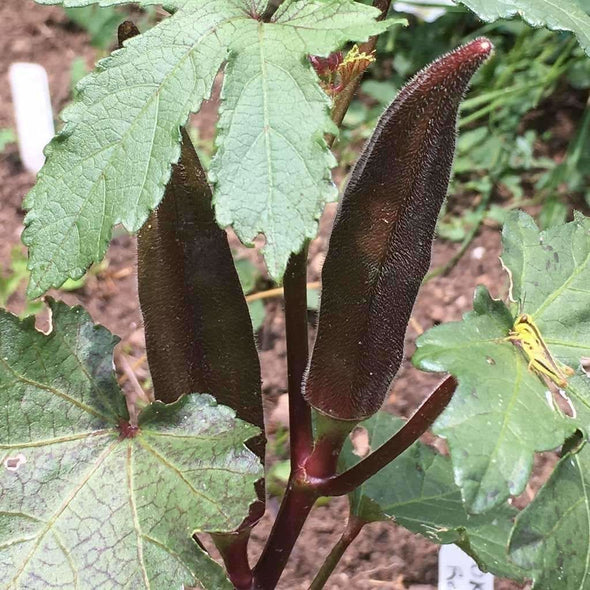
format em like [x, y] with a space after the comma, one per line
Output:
[560, 15]
[112, 160]
[500, 414]
[551, 538]
[417, 490]
[503, 412]
[272, 168]
[81, 504]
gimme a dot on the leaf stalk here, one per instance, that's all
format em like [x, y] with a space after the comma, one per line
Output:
[353, 527]
[317, 477]
[234, 552]
[414, 428]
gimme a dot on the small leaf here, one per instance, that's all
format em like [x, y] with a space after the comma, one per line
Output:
[381, 242]
[563, 15]
[248, 274]
[418, 492]
[257, 314]
[100, 23]
[86, 499]
[551, 538]
[7, 136]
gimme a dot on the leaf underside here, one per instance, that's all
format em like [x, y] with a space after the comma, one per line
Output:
[83, 506]
[111, 162]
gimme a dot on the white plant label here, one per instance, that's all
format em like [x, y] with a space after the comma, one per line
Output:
[457, 571]
[427, 13]
[33, 112]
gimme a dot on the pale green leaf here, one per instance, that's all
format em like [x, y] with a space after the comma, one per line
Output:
[84, 506]
[417, 490]
[560, 15]
[112, 160]
[551, 538]
[272, 168]
[503, 411]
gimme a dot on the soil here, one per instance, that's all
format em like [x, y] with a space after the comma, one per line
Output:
[384, 555]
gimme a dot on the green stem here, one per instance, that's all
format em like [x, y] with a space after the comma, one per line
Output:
[353, 527]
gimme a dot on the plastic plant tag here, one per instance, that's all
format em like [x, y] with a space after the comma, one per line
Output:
[457, 571]
[32, 111]
[429, 13]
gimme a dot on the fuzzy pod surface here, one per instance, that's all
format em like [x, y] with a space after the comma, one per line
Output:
[381, 244]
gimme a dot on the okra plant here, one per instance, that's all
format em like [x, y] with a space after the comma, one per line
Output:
[97, 491]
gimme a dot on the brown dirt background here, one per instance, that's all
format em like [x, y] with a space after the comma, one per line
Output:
[384, 556]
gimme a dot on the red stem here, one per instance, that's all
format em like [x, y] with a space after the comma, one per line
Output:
[416, 426]
[298, 501]
[234, 552]
[295, 507]
[295, 288]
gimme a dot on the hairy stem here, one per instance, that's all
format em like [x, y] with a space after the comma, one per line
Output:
[295, 290]
[415, 427]
[353, 527]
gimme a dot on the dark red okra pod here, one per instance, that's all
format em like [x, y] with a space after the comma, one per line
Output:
[381, 243]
